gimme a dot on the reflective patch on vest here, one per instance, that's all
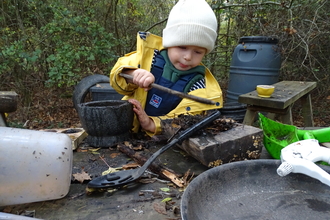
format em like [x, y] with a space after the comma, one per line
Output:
[155, 100]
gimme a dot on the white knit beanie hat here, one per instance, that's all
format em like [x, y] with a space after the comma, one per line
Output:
[191, 22]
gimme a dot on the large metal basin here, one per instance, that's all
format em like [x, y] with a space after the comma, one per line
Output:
[253, 190]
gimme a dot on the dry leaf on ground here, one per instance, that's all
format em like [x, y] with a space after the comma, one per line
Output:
[81, 177]
[160, 207]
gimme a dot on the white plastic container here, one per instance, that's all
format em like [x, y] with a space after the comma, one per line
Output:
[34, 165]
[15, 217]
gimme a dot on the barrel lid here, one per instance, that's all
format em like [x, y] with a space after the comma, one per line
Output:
[258, 39]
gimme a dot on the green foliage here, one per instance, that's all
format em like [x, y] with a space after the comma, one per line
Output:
[54, 44]
[16, 124]
[81, 45]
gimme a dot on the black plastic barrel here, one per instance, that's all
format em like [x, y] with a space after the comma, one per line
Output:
[103, 91]
[256, 60]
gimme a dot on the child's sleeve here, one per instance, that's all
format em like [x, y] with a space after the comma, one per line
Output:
[119, 83]
[158, 130]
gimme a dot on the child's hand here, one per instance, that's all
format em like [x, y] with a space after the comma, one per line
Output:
[145, 122]
[142, 78]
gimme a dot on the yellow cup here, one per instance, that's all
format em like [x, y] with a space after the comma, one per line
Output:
[265, 90]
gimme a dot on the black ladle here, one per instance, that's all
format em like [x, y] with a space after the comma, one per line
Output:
[126, 176]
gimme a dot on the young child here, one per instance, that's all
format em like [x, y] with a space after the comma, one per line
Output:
[173, 61]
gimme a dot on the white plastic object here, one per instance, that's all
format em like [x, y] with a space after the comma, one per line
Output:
[34, 165]
[284, 169]
[15, 217]
[299, 157]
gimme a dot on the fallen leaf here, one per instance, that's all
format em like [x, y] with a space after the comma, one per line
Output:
[112, 190]
[138, 148]
[7, 209]
[111, 170]
[95, 152]
[81, 177]
[113, 155]
[165, 189]
[128, 144]
[167, 199]
[160, 207]
[130, 166]
[89, 191]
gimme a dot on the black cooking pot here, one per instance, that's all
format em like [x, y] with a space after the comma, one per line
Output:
[253, 190]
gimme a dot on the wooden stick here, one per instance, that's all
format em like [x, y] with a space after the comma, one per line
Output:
[174, 92]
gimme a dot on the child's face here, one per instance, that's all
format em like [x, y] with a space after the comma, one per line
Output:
[186, 57]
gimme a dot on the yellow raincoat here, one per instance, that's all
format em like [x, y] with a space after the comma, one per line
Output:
[142, 58]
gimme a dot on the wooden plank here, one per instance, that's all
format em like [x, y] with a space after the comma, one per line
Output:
[307, 110]
[285, 94]
[77, 135]
[266, 109]
[249, 117]
[251, 113]
[287, 118]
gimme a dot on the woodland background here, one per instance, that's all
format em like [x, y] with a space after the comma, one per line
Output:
[47, 47]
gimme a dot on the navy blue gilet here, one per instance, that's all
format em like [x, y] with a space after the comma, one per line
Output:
[160, 103]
